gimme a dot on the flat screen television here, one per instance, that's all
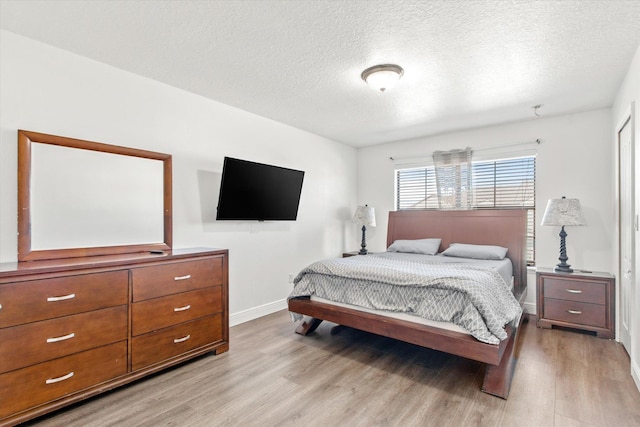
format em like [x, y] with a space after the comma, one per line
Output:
[258, 192]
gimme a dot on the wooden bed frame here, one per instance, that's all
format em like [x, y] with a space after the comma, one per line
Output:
[489, 227]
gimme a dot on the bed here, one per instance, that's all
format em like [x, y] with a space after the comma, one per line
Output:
[506, 228]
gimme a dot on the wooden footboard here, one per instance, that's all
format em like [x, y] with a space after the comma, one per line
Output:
[500, 359]
[425, 336]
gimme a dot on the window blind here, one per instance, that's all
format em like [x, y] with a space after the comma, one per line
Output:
[496, 184]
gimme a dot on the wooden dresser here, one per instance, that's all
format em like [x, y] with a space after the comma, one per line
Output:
[579, 300]
[73, 328]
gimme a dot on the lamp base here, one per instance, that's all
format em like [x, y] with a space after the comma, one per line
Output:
[563, 268]
[363, 245]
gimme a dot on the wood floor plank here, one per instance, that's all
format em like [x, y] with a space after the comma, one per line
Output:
[339, 376]
[576, 385]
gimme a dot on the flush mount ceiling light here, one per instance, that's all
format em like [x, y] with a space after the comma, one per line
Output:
[382, 77]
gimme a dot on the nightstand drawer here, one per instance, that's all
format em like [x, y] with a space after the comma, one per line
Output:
[576, 312]
[575, 290]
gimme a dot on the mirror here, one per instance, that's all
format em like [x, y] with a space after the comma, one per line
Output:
[80, 198]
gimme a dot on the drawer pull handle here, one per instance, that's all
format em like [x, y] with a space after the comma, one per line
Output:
[62, 298]
[188, 276]
[183, 339]
[574, 291]
[62, 338]
[57, 380]
[186, 307]
[574, 311]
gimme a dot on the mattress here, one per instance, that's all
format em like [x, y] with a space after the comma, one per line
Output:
[503, 266]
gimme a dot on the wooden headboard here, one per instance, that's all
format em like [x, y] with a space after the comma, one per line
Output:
[505, 228]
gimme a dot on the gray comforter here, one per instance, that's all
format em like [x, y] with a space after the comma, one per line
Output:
[475, 298]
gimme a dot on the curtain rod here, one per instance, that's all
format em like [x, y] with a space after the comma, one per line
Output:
[537, 141]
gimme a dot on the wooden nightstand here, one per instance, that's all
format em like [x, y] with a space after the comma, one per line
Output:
[354, 253]
[580, 300]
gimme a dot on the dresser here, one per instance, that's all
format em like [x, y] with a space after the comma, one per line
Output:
[71, 329]
[579, 300]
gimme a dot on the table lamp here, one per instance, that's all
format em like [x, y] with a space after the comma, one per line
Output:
[561, 212]
[366, 216]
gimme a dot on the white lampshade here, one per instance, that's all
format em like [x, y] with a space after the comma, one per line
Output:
[365, 215]
[382, 77]
[562, 212]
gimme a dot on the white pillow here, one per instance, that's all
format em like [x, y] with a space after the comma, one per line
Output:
[419, 246]
[463, 250]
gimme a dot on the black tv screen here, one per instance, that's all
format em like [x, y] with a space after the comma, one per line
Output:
[256, 191]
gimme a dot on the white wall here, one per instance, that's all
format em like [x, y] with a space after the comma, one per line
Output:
[573, 160]
[45, 89]
[629, 94]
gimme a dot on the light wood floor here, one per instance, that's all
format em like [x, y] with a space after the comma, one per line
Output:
[343, 377]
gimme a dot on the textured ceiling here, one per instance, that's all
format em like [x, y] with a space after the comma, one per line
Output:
[467, 63]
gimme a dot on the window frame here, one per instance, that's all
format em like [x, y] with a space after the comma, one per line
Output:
[428, 189]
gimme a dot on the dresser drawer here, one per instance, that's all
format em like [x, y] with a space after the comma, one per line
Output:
[575, 312]
[157, 346]
[37, 342]
[575, 290]
[176, 277]
[158, 313]
[24, 302]
[47, 381]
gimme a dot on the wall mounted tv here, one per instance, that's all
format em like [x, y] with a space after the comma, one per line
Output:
[259, 192]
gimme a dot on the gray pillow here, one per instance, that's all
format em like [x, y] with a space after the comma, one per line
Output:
[463, 250]
[419, 246]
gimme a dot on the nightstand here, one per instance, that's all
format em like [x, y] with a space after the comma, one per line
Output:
[579, 300]
[354, 253]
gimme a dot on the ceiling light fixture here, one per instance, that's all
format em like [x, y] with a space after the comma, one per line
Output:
[382, 77]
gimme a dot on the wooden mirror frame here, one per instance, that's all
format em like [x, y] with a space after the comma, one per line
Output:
[25, 253]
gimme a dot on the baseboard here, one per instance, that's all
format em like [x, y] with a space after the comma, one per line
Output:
[256, 312]
[529, 308]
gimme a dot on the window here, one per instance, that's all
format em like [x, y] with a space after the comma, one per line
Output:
[496, 184]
